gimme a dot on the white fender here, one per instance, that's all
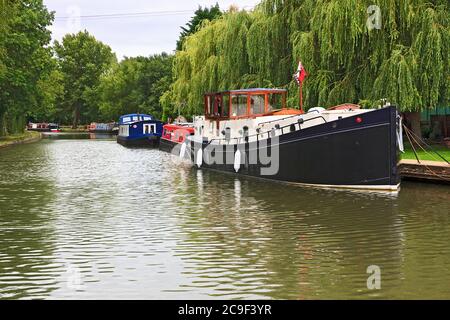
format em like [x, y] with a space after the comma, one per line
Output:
[237, 160]
[199, 158]
[183, 150]
[401, 146]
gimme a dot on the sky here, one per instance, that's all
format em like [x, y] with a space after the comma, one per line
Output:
[131, 27]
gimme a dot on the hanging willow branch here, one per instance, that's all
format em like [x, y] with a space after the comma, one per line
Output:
[406, 61]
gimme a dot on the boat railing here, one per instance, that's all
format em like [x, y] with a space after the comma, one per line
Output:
[282, 119]
[270, 134]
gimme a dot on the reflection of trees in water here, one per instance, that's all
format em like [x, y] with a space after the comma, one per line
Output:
[425, 211]
[248, 237]
[26, 243]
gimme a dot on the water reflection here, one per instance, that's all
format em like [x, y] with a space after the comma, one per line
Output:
[90, 219]
[77, 136]
[27, 266]
[259, 239]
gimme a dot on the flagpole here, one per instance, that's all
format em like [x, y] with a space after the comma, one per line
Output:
[301, 96]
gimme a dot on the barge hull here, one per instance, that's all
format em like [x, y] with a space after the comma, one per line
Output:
[147, 142]
[358, 152]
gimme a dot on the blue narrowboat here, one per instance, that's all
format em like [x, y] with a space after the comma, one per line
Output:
[139, 130]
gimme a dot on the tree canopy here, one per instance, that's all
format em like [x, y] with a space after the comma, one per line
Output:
[406, 61]
[135, 85]
[25, 59]
[83, 61]
[200, 15]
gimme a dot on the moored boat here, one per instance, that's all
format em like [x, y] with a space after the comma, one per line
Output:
[43, 127]
[252, 132]
[139, 130]
[175, 134]
[102, 128]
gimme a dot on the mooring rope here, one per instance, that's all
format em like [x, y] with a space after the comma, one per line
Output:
[440, 156]
[408, 132]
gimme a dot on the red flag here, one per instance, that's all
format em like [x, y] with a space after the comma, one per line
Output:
[301, 74]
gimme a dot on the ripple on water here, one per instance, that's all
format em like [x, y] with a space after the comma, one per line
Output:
[91, 219]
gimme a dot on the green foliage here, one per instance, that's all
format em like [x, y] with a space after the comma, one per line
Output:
[25, 59]
[200, 15]
[50, 93]
[135, 85]
[407, 61]
[83, 60]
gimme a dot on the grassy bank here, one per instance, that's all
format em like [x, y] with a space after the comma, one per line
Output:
[26, 137]
[431, 156]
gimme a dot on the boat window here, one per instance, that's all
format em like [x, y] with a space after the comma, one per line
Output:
[126, 119]
[147, 118]
[239, 105]
[258, 104]
[225, 105]
[135, 118]
[275, 101]
[219, 106]
[149, 128]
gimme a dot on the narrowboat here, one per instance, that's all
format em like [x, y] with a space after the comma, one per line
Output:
[175, 134]
[139, 130]
[43, 127]
[107, 128]
[252, 132]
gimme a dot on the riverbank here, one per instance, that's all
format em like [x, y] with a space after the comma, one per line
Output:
[68, 129]
[429, 155]
[27, 137]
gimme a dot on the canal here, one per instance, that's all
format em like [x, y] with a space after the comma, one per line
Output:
[90, 219]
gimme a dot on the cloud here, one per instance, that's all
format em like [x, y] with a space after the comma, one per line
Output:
[130, 35]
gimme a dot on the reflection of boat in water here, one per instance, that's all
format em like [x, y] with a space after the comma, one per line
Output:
[43, 127]
[174, 135]
[325, 238]
[252, 133]
[139, 130]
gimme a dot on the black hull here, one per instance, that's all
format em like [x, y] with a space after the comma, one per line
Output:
[138, 143]
[344, 153]
[167, 145]
[109, 132]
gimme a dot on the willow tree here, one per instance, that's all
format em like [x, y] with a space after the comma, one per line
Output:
[404, 57]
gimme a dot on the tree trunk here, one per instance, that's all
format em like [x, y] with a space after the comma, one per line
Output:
[76, 116]
[413, 119]
[2, 124]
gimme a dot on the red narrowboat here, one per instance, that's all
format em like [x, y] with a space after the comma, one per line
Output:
[175, 134]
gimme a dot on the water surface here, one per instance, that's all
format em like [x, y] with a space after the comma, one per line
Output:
[90, 219]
